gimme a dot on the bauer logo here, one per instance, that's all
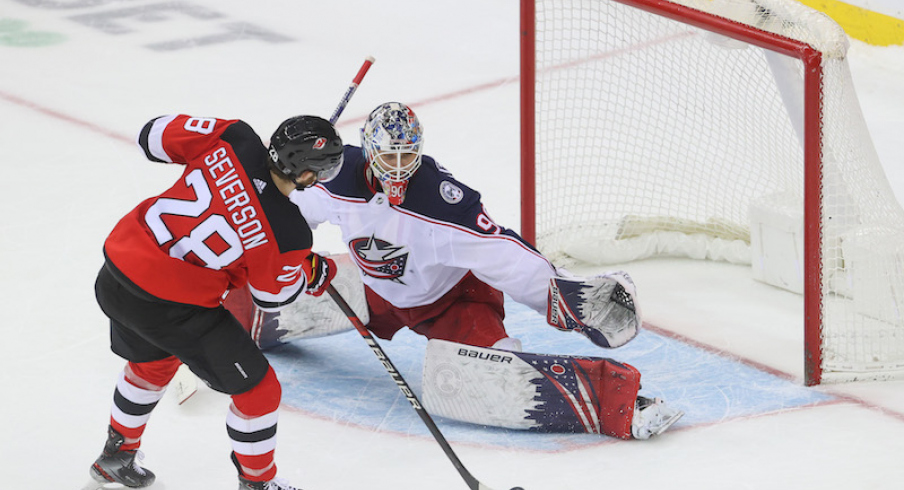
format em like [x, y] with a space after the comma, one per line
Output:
[553, 314]
[486, 356]
[320, 143]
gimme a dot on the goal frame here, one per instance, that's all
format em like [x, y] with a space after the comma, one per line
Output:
[812, 60]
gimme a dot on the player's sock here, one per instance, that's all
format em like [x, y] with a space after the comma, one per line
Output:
[251, 424]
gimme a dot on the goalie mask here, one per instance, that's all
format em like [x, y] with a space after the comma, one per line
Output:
[393, 144]
[306, 143]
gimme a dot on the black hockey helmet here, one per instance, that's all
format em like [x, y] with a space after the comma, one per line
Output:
[306, 143]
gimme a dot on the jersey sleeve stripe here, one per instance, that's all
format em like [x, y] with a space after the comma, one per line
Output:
[150, 139]
[270, 302]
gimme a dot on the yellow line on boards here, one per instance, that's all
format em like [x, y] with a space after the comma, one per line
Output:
[859, 23]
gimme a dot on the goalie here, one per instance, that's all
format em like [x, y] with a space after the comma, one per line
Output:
[431, 259]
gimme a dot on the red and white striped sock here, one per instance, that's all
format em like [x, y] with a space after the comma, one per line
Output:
[139, 388]
[251, 424]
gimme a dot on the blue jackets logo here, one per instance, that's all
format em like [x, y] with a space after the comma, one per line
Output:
[379, 258]
[451, 193]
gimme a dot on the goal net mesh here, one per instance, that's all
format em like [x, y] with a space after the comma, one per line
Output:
[657, 138]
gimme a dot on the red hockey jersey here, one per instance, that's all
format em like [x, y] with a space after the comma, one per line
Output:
[222, 225]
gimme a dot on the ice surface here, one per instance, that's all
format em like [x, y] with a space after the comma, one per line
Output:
[80, 78]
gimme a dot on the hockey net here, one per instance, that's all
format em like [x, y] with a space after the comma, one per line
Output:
[706, 129]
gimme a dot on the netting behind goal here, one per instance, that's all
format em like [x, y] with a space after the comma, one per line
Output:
[662, 128]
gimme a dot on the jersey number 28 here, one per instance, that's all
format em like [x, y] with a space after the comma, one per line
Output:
[194, 241]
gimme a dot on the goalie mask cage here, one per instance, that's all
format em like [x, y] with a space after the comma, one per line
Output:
[654, 127]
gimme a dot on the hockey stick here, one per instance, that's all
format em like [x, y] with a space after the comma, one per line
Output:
[351, 89]
[472, 482]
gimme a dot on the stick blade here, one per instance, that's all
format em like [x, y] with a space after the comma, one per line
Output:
[184, 384]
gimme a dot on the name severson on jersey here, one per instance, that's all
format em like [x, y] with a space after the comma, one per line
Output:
[232, 190]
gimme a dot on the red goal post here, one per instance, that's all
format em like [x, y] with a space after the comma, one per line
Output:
[716, 129]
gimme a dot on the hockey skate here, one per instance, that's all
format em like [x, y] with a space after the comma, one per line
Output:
[275, 484]
[652, 417]
[117, 466]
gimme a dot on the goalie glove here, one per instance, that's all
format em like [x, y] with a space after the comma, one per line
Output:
[319, 271]
[603, 308]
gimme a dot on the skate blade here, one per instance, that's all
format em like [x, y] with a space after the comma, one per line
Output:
[668, 423]
[184, 384]
[97, 485]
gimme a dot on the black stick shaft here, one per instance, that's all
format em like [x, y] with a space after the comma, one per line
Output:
[472, 482]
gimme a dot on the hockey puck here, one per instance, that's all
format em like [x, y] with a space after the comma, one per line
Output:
[517, 488]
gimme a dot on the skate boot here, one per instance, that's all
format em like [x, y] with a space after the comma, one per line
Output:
[246, 484]
[275, 484]
[652, 417]
[118, 466]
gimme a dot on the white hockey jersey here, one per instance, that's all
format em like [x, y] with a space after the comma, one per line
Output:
[413, 254]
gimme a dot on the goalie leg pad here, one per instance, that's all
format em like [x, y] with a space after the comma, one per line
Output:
[539, 392]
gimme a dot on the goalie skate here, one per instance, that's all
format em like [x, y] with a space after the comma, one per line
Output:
[652, 417]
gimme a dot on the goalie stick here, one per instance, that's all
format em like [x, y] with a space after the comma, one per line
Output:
[403, 385]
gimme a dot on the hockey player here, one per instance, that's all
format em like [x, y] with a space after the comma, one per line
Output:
[432, 259]
[225, 223]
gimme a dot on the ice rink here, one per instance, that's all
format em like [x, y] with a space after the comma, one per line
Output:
[80, 78]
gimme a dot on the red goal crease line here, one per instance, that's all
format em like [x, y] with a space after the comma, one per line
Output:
[772, 371]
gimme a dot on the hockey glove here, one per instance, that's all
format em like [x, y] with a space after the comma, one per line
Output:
[603, 307]
[319, 271]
